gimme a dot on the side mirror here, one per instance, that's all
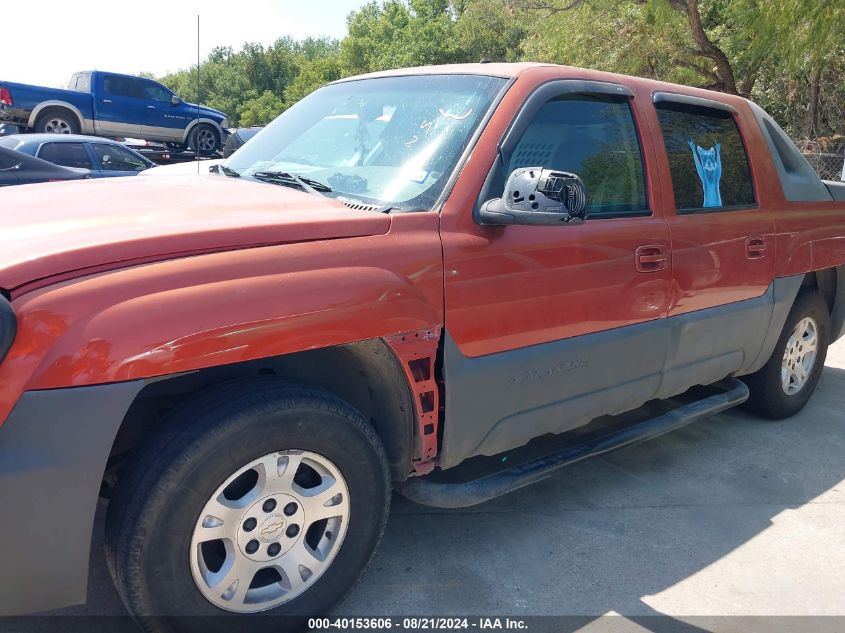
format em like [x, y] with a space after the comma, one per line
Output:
[174, 100]
[537, 196]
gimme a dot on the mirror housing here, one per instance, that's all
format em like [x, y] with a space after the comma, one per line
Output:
[537, 196]
[174, 100]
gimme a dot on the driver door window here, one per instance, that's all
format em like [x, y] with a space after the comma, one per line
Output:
[595, 137]
[117, 159]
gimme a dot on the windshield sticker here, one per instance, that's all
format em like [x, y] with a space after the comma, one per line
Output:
[420, 177]
[457, 117]
[708, 164]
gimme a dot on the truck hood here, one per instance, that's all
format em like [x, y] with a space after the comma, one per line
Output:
[94, 225]
[205, 111]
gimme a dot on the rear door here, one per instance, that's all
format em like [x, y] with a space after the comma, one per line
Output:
[550, 327]
[66, 154]
[120, 110]
[723, 264]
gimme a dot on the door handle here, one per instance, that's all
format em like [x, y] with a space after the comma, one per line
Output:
[151, 107]
[755, 247]
[106, 100]
[652, 258]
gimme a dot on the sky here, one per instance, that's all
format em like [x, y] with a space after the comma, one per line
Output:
[154, 35]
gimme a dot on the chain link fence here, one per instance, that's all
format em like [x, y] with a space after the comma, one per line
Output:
[828, 166]
[827, 157]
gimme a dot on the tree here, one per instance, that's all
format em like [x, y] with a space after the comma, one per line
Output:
[260, 110]
[399, 33]
[488, 29]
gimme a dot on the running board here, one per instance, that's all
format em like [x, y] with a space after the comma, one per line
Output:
[460, 495]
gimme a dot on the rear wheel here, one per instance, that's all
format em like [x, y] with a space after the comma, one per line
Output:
[261, 498]
[57, 121]
[785, 383]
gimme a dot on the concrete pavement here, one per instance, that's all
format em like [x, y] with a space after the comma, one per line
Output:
[733, 516]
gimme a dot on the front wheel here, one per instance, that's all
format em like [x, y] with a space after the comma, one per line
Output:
[785, 383]
[259, 498]
[204, 140]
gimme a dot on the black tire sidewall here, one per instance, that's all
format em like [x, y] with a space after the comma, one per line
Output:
[164, 581]
[767, 394]
[67, 116]
[194, 134]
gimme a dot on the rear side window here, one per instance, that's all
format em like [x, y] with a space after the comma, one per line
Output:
[82, 82]
[707, 158]
[594, 137]
[66, 154]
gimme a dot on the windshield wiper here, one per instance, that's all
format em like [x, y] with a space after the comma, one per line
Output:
[286, 178]
[223, 169]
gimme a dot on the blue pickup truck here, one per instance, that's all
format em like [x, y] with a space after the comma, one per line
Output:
[109, 104]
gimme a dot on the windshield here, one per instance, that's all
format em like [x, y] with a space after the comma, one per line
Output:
[391, 141]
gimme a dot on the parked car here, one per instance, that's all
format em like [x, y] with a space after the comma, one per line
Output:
[103, 157]
[21, 169]
[7, 128]
[237, 137]
[186, 168]
[487, 255]
[110, 104]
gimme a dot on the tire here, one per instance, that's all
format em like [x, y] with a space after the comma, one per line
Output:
[165, 501]
[785, 383]
[57, 121]
[204, 140]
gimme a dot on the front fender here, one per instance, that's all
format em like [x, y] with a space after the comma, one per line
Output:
[195, 122]
[223, 308]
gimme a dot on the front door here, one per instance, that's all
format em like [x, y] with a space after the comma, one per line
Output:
[550, 327]
[722, 244]
[163, 119]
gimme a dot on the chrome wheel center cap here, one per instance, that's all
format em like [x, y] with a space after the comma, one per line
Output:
[270, 527]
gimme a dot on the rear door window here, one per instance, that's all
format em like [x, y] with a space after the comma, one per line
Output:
[118, 86]
[66, 154]
[707, 158]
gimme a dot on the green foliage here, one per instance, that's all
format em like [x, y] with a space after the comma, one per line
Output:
[789, 55]
[399, 33]
[260, 110]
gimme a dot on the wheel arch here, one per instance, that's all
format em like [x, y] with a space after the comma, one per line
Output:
[58, 105]
[195, 122]
[831, 283]
[367, 374]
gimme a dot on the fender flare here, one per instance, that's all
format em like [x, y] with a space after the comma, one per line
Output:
[195, 122]
[837, 315]
[37, 110]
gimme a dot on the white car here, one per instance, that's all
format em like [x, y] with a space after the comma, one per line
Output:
[189, 168]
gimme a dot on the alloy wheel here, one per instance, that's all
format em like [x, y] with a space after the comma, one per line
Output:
[269, 531]
[57, 125]
[799, 357]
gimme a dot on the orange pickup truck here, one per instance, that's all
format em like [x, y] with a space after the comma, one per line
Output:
[403, 279]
